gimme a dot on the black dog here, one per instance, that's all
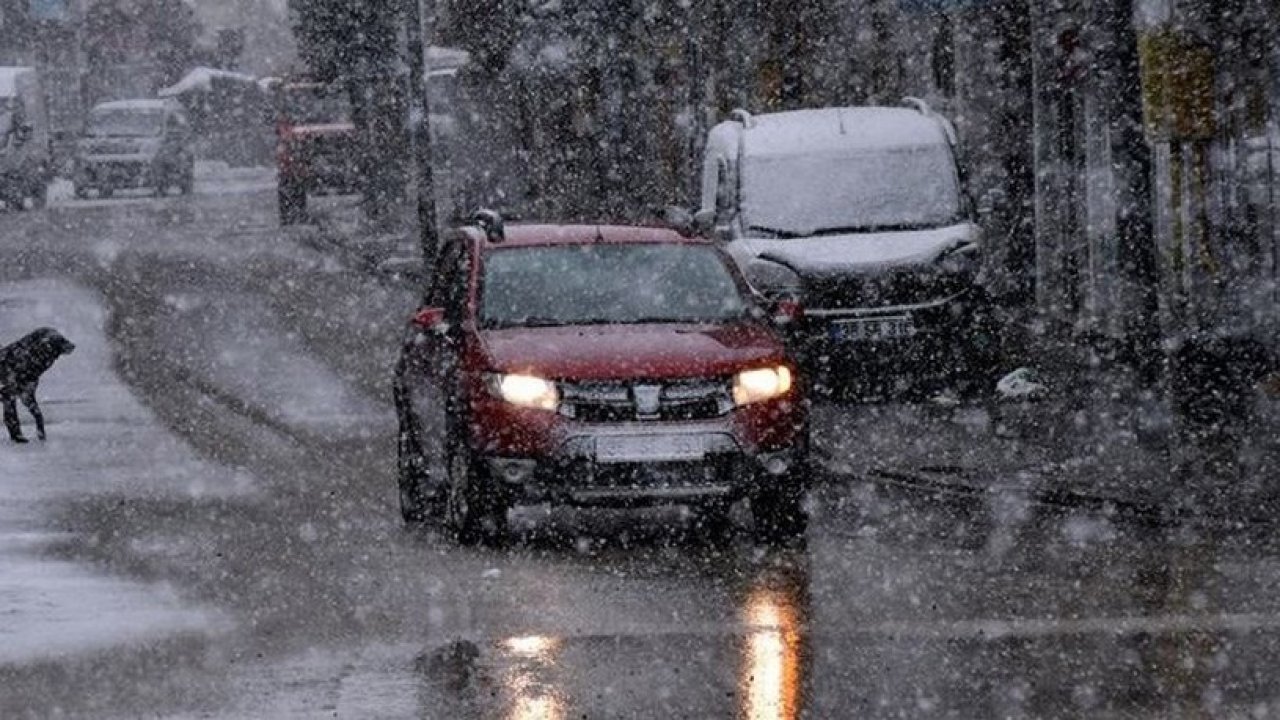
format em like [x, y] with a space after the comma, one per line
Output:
[21, 365]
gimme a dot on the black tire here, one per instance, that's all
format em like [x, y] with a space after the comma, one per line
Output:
[39, 196]
[474, 511]
[292, 199]
[81, 191]
[106, 191]
[187, 184]
[711, 522]
[779, 516]
[416, 507]
[777, 505]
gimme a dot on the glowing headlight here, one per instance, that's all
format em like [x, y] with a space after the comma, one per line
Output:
[526, 391]
[751, 386]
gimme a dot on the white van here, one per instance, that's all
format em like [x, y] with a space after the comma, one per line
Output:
[861, 214]
[25, 164]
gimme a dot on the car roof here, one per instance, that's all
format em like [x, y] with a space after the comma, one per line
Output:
[135, 105]
[535, 235]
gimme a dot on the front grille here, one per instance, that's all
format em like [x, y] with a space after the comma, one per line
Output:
[627, 401]
[882, 290]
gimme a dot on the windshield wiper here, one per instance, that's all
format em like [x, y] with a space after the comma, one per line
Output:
[886, 227]
[779, 233]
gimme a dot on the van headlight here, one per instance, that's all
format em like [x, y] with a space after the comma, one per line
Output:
[751, 386]
[772, 279]
[525, 390]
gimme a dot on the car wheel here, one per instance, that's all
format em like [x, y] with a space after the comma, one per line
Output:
[39, 196]
[81, 191]
[106, 191]
[416, 506]
[711, 521]
[187, 185]
[292, 199]
[473, 513]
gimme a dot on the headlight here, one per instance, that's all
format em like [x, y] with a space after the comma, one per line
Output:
[750, 386]
[525, 391]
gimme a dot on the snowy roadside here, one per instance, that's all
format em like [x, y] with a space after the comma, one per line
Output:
[212, 178]
[101, 439]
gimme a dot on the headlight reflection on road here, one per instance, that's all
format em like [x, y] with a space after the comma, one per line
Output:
[772, 671]
[535, 696]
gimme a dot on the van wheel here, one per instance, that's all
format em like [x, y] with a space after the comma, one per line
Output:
[779, 516]
[473, 511]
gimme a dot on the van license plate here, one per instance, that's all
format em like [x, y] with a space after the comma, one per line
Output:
[649, 448]
[892, 328]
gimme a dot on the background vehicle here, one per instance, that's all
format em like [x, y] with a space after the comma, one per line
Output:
[861, 213]
[25, 164]
[134, 144]
[317, 149]
[590, 365]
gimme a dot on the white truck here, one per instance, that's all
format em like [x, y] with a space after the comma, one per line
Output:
[861, 215]
[25, 163]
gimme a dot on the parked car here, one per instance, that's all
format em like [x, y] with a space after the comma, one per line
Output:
[317, 149]
[595, 365]
[25, 162]
[135, 144]
[861, 214]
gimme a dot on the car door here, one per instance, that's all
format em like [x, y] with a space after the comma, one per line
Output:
[433, 346]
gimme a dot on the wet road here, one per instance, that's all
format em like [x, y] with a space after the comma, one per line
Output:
[270, 359]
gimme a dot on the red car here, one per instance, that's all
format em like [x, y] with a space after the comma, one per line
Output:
[596, 365]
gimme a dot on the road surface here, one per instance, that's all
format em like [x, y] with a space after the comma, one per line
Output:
[211, 532]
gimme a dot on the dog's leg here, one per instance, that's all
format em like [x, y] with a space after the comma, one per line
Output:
[29, 399]
[11, 419]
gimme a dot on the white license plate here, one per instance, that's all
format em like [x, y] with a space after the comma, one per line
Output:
[649, 448]
[895, 328]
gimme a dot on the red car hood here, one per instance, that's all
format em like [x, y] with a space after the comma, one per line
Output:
[632, 351]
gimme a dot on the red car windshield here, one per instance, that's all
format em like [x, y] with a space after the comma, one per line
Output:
[608, 284]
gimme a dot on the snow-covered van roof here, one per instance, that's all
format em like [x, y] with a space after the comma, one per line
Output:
[802, 132]
[805, 132]
[201, 79]
[134, 105]
[10, 77]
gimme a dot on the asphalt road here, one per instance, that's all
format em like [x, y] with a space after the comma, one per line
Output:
[270, 359]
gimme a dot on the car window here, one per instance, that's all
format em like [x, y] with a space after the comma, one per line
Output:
[605, 284]
[125, 122]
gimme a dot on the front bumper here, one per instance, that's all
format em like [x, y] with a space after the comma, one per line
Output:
[116, 171]
[642, 464]
[925, 340]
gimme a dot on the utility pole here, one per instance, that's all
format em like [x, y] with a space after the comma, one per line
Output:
[428, 233]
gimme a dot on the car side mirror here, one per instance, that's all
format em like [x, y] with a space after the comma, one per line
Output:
[431, 320]
[704, 222]
[679, 219]
[785, 311]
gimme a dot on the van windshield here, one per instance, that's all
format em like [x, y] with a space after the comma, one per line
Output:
[131, 122]
[900, 188]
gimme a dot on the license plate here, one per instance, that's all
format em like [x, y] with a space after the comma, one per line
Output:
[649, 448]
[895, 328]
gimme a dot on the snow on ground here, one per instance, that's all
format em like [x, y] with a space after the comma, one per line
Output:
[212, 178]
[100, 439]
